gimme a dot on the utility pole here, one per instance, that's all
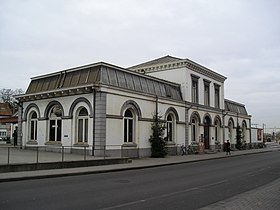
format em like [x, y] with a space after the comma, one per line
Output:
[264, 136]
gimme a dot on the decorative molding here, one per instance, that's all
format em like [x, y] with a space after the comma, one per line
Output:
[173, 111]
[54, 143]
[145, 119]
[50, 105]
[78, 100]
[129, 145]
[56, 93]
[131, 104]
[111, 116]
[32, 142]
[180, 64]
[27, 109]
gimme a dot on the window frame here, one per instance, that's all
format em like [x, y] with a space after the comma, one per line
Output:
[217, 125]
[170, 125]
[82, 119]
[33, 130]
[195, 89]
[217, 96]
[57, 119]
[129, 125]
[206, 93]
[194, 129]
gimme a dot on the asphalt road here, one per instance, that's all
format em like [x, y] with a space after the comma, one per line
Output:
[182, 186]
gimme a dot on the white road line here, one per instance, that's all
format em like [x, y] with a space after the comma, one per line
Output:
[165, 195]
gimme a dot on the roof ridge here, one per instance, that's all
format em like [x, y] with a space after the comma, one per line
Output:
[163, 59]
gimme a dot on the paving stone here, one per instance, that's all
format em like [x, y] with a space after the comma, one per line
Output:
[265, 197]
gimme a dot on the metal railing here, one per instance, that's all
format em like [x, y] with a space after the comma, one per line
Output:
[55, 153]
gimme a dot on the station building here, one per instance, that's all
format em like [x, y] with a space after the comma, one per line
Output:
[109, 109]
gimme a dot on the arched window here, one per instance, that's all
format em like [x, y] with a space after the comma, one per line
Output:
[230, 131]
[55, 123]
[33, 126]
[194, 129]
[170, 128]
[82, 128]
[217, 130]
[128, 126]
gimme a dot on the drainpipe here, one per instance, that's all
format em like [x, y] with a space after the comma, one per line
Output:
[156, 108]
[187, 123]
[250, 132]
[224, 127]
[93, 124]
[20, 117]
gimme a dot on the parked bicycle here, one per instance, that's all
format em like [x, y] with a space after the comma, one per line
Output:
[188, 150]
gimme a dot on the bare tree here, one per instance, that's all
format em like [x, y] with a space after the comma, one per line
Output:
[8, 96]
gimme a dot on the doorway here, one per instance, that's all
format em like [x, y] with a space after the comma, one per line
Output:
[206, 136]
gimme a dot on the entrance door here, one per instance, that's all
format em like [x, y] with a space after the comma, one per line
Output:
[206, 136]
[55, 130]
[206, 132]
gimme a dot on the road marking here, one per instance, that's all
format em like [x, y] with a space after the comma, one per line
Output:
[213, 184]
[165, 195]
[149, 199]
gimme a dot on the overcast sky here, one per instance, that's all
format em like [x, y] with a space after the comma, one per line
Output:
[236, 38]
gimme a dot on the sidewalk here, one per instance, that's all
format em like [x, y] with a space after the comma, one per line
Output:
[135, 164]
[264, 197]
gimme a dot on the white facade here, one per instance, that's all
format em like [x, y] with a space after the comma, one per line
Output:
[110, 110]
[210, 120]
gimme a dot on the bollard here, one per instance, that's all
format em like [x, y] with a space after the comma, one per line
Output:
[85, 149]
[8, 155]
[104, 152]
[37, 158]
[62, 153]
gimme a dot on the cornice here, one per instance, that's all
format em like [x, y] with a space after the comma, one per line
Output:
[181, 64]
[56, 93]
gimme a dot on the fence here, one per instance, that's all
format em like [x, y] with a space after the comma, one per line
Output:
[53, 153]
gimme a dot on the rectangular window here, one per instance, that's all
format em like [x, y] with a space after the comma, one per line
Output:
[52, 130]
[35, 130]
[32, 126]
[130, 131]
[195, 84]
[206, 94]
[32, 137]
[217, 96]
[55, 130]
[193, 133]
[169, 132]
[194, 91]
[125, 130]
[86, 130]
[80, 130]
[58, 138]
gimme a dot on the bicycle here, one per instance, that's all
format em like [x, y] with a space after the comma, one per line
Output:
[182, 149]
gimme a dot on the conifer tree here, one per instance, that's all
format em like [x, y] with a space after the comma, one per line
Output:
[157, 140]
[238, 137]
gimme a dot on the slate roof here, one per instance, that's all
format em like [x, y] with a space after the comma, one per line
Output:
[9, 120]
[104, 74]
[235, 107]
